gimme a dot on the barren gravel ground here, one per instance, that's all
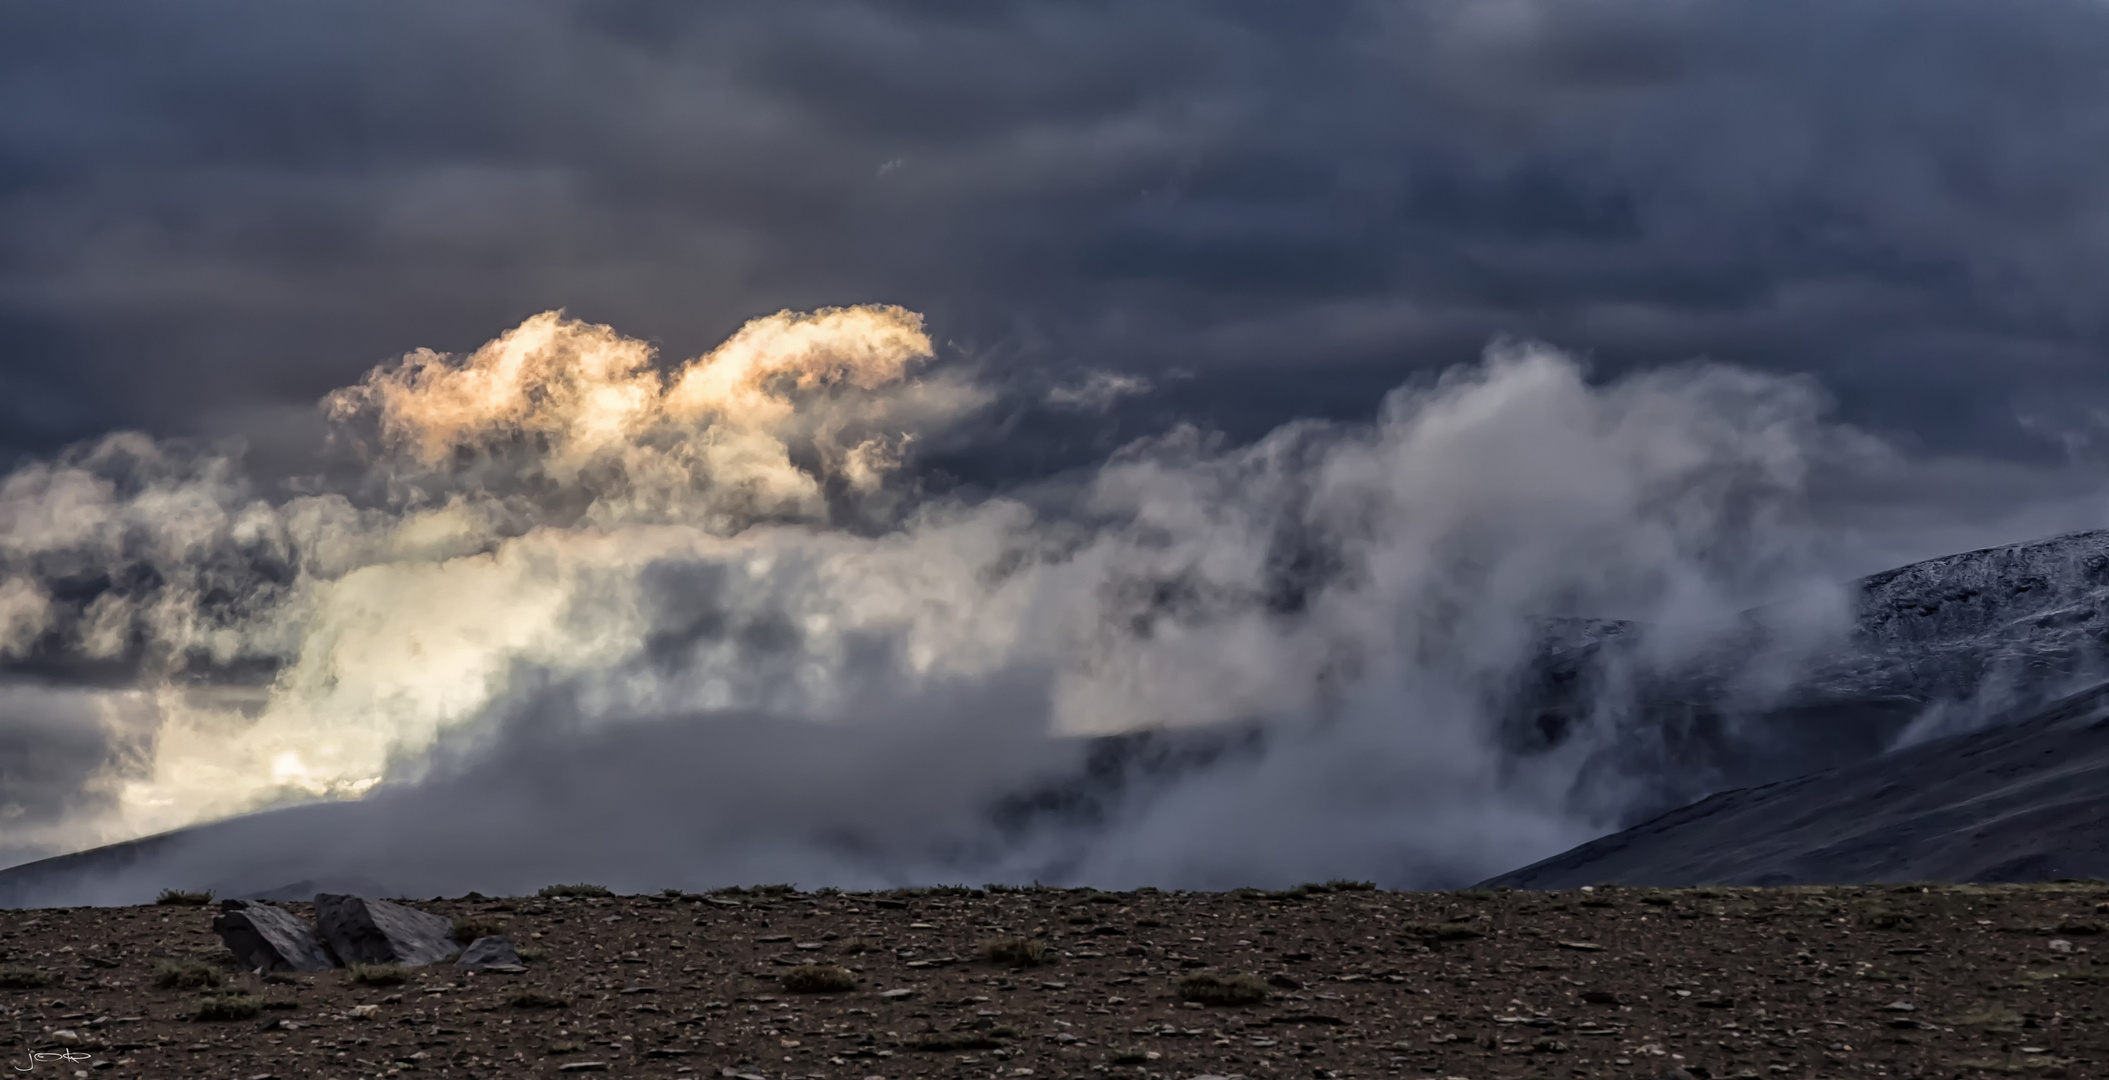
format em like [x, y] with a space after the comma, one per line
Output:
[1612, 982]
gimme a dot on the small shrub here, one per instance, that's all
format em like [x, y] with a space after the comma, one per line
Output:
[1015, 951]
[819, 979]
[185, 975]
[962, 1040]
[531, 954]
[279, 1004]
[536, 999]
[468, 930]
[1343, 885]
[1212, 989]
[180, 898]
[580, 889]
[229, 1007]
[1441, 931]
[379, 974]
[24, 978]
[1885, 919]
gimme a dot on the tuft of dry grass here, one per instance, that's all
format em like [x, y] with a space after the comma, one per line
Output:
[1447, 932]
[185, 975]
[819, 979]
[1208, 988]
[180, 898]
[379, 974]
[468, 930]
[1887, 919]
[228, 1007]
[25, 978]
[580, 889]
[962, 1040]
[1015, 951]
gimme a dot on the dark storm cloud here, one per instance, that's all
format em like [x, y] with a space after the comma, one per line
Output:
[54, 743]
[211, 213]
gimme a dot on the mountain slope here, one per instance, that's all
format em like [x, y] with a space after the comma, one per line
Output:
[2026, 800]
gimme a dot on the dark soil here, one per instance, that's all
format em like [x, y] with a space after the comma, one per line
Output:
[1942, 981]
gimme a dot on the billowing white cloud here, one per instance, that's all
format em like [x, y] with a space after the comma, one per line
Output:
[554, 521]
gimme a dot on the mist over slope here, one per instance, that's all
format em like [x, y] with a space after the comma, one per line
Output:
[583, 611]
[2021, 800]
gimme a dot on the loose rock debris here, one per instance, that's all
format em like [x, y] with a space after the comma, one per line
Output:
[1938, 981]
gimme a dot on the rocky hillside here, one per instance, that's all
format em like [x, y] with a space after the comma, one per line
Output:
[2023, 800]
[1935, 647]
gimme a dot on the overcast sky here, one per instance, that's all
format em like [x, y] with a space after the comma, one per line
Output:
[211, 213]
[1114, 217]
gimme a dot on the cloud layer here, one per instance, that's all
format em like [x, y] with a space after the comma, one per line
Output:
[738, 552]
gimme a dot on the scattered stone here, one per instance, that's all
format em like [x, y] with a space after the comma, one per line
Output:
[896, 995]
[267, 937]
[495, 950]
[583, 1066]
[2060, 945]
[363, 931]
[1901, 1006]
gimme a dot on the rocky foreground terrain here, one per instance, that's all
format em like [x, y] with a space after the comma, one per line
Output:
[1933, 981]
